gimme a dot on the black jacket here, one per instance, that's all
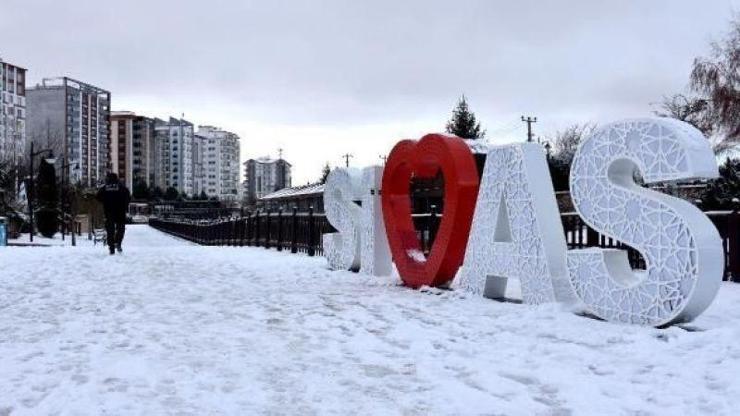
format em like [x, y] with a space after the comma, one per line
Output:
[115, 198]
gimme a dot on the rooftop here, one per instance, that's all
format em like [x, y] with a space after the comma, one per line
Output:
[310, 189]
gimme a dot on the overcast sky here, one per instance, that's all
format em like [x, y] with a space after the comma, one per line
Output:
[324, 78]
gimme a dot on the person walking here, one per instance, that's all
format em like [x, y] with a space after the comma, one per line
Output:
[115, 198]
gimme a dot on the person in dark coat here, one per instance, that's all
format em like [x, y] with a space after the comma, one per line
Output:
[115, 198]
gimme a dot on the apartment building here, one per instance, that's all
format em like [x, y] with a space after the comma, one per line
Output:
[176, 156]
[12, 112]
[263, 176]
[72, 118]
[132, 148]
[219, 162]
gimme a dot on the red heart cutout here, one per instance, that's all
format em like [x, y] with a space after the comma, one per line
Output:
[423, 159]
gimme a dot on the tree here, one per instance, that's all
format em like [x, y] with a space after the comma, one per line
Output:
[463, 122]
[203, 196]
[48, 199]
[568, 139]
[566, 143]
[157, 193]
[716, 79]
[722, 193]
[325, 173]
[141, 190]
[690, 109]
[171, 194]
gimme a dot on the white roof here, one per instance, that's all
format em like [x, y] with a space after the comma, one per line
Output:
[311, 189]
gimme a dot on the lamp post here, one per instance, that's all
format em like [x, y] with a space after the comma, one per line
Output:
[31, 186]
[65, 199]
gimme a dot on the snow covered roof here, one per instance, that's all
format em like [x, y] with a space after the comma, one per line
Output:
[310, 189]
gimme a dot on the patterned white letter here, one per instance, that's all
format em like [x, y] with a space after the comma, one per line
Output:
[516, 231]
[681, 247]
[376, 255]
[342, 249]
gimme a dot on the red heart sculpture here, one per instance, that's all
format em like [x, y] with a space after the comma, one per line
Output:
[423, 159]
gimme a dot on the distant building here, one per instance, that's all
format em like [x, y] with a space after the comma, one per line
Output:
[219, 158]
[300, 198]
[263, 176]
[176, 156]
[132, 148]
[73, 119]
[13, 112]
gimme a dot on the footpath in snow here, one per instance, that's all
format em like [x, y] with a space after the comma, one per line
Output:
[174, 328]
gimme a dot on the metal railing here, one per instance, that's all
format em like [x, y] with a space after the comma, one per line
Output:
[300, 232]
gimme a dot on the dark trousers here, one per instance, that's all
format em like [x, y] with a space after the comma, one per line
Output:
[114, 230]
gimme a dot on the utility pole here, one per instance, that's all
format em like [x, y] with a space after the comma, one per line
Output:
[384, 158]
[280, 152]
[529, 120]
[346, 157]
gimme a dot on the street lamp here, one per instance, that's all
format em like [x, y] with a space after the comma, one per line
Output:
[30, 187]
[65, 199]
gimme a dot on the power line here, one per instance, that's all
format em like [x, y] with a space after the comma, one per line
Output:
[529, 120]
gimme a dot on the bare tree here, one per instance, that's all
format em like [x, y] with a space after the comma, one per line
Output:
[692, 110]
[717, 79]
[568, 139]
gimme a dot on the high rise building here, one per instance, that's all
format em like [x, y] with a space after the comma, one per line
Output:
[73, 119]
[219, 159]
[176, 155]
[132, 148]
[13, 112]
[263, 176]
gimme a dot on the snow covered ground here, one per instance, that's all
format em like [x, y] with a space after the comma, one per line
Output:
[57, 240]
[174, 328]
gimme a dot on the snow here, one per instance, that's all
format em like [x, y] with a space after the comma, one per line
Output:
[416, 255]
[174, 328]
[57, 240]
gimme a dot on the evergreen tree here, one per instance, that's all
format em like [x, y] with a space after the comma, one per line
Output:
[171, 194]
[157, 193]
[48, 199]
[141, 190]
[203, 196]
[723, 192]
[325, 173]
[463, 122]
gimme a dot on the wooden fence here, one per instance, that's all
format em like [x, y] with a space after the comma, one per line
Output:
[300, 232]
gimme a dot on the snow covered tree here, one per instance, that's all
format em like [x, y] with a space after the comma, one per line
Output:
[463, 122]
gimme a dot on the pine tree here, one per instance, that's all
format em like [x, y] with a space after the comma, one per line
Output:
[463, 122]
[141, 190]
[325, 173]
[171, 194]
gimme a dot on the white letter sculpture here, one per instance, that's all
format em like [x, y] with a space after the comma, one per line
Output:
[516, 231]
[342, 249]
[376, 255]
[681, 247]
